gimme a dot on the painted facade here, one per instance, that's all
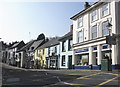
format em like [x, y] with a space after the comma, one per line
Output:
[89, 35]
[66, 51]
[52, 57]
[40, 58]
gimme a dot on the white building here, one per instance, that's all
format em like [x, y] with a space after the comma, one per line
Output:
[52, 53]
[89, 34]
[66, 51]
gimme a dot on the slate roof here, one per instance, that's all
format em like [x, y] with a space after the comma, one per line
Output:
[36, 44]
[27, 45]
[52, 42]
[66, 35]
[15, 45]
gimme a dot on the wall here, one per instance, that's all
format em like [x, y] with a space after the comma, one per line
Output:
[66, 53]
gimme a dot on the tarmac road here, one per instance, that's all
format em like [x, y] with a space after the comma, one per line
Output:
[18, 77]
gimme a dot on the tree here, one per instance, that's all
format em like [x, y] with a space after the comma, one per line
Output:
[41, 37]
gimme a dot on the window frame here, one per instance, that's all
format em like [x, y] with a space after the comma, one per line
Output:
[94, 15]
[96, 33]
[80, 22]
[82, 36]
[63, 46]
[103, 29]
[63, 60]
[105, 9]
[70, 41]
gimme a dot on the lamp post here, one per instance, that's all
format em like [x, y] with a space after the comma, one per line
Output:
[110, 31]
[110, 44]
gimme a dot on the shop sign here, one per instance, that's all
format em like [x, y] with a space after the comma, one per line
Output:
[94, 48]
[105, 47]
[81, 50]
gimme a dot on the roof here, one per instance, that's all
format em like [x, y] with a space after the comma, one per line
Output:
[36, 44]
[86, 10]
[66, 35]
[52, 42]
[19, 45]
[15, 45]
[27, 45]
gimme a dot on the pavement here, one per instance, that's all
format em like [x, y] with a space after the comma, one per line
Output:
[20, 77]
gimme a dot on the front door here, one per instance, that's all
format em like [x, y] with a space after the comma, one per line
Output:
[70, 62]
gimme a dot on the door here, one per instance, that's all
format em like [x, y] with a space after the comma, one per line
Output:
[70, 62]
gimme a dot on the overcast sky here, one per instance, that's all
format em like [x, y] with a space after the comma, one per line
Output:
[26, 20]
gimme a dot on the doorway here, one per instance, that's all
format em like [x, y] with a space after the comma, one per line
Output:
[70, 62]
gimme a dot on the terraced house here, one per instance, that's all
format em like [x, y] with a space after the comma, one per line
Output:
[66, 52]
[53, 53]
[40, 57]
[90, 28]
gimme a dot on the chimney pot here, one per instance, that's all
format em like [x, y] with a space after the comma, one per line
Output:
[71, 27]
[86, 5]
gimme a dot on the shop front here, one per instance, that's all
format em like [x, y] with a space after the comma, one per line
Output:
[90, 57]
[53, 62]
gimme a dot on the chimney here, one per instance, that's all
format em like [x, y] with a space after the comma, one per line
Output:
[86, 5]
[71, 27]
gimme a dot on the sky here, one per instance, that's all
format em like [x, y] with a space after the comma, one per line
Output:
[26, 20]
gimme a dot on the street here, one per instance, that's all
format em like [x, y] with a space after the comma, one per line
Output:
[18, 77]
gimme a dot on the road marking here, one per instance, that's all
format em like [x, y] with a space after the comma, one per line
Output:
[105, 82]
[75, 84]
[88, 76]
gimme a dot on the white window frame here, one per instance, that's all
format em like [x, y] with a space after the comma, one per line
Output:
[64, 46]
[63, 60]
[80, 22]
[105, 29]
[80, 36]
[105, 9]
[94, 15]
[70, 42]
[93, 32]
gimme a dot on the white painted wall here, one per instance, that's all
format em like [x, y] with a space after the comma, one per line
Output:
[66, 53]
[87, 24]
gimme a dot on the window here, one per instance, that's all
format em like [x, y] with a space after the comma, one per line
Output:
[70, 44]
[37, 53]
[94, 15]
[80, 22]
[94, 32]
[63, 60]
[80, 36]
[105, 30]
[49, 51]
[55, 49]
[43, 51]
[105, 10]
[63, 46]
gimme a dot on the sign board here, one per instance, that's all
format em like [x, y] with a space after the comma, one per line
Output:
[111, 40]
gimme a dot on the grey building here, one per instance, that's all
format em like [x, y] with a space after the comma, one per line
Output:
[13, 56]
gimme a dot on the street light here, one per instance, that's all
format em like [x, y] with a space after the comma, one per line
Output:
[110, 31]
